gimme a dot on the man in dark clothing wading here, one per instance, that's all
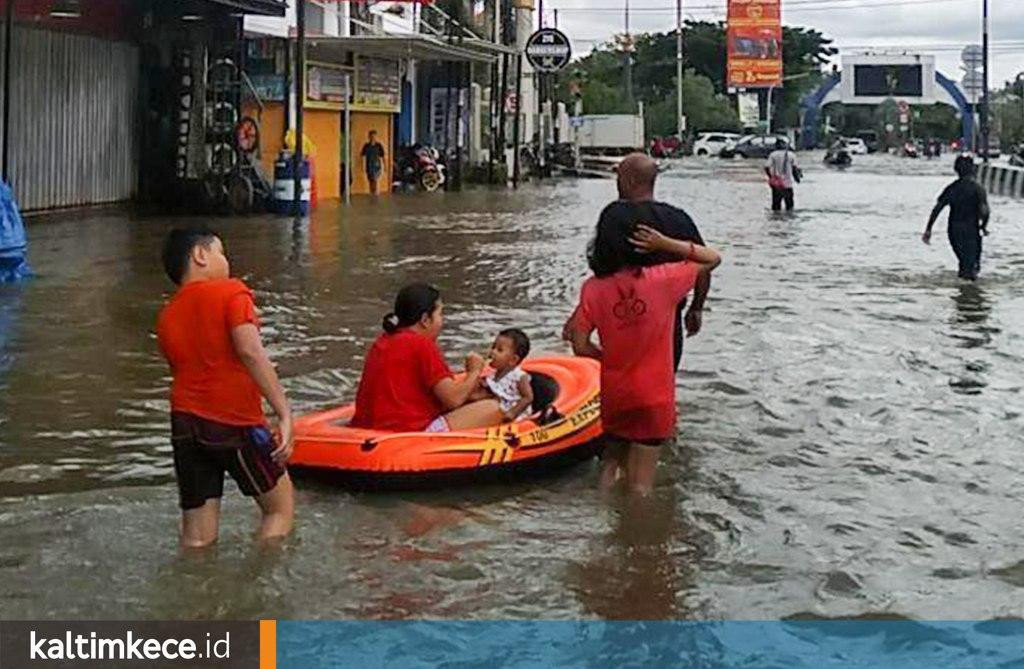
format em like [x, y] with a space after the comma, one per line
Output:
[968, 217]
[373, 154]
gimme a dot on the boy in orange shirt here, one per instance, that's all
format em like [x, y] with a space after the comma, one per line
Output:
[209, 333]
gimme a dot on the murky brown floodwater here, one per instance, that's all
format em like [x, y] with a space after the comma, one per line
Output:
[851, 416]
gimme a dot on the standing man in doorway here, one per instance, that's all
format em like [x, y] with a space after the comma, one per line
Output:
[373, 154]
[783, 173]
[968, 217]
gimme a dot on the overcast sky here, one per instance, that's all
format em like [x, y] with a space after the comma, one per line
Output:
[939, 27]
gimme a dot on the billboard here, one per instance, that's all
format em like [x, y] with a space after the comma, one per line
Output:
[888, 80]
[754, 37]
[874, 78]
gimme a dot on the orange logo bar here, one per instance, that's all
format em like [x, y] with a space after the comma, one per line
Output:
[268, 644]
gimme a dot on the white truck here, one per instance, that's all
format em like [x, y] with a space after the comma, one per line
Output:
[616, 134]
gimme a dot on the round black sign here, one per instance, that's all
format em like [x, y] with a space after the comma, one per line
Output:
[548, 50]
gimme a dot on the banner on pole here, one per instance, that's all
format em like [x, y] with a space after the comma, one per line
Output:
[754, 36]
[749, 109]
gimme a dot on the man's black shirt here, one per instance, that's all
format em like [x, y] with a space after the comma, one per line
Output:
[668, 220]
[965, 198]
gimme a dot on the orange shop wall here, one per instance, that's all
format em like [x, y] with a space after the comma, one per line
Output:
[271, 122]
[322, 128]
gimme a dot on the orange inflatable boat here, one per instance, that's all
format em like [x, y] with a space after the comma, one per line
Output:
[562, 428]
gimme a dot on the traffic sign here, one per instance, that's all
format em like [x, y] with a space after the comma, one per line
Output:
[903, 106]
[973, 82]
[576, 121]
[973, 56]
[548, 50]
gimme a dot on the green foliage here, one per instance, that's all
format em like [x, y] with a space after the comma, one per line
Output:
[703, 108]
[938, 121]
[704, 101]
[1008, 112]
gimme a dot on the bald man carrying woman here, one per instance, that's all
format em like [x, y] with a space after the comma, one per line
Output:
[637, 174]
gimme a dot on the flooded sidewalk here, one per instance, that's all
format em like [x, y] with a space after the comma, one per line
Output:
[849, 427]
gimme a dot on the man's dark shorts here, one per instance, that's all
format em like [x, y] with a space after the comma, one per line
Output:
[205, 449]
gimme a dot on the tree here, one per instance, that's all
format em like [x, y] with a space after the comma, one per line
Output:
[1008, 110]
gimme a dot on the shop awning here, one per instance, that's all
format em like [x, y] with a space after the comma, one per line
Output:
[489, 47]
[419, 47]
[264, 7]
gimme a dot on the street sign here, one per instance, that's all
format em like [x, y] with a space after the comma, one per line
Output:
[973, 82]
[973, 56]
[903, 106]
[575, 121]
[548, 50]
[904, 119]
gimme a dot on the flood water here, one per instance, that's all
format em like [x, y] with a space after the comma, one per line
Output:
[849, 433]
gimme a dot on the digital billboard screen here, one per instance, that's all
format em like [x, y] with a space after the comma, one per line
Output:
[903, 81]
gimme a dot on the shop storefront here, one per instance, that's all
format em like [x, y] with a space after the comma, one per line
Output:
[378, 73]
[90, 118]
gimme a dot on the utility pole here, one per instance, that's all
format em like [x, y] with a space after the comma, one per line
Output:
[8, 35]
[627, 47]
[984, 84]
[300, 100]
[679, 71]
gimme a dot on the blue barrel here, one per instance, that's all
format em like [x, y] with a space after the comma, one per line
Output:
[284, 185]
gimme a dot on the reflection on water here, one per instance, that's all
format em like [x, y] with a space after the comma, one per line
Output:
[849, 419]
[633, 572]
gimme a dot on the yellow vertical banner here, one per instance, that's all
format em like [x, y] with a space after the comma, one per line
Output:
[268, 644]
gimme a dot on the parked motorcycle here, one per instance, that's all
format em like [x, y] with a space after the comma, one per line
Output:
[420, 165]
[910, 150]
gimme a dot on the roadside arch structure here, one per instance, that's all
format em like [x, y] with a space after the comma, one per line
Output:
[947, 92]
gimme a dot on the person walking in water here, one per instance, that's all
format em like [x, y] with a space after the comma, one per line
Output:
[968, 217]
[783, 173]
[636, 177]
[373, 155]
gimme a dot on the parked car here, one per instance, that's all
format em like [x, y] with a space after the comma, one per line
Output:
[711, 143]
[855, 145]
[751, 147]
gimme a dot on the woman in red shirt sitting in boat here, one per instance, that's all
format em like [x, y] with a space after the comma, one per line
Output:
[406, 384]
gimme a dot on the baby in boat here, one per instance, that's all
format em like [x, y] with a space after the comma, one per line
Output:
[509, 384]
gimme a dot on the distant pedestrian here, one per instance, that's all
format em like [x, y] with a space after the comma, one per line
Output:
[373, 155]
[783, 173]
[968, 217]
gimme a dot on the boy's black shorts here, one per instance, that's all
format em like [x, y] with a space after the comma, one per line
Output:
[205, 449]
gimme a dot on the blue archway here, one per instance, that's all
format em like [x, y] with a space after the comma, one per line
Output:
[812, 103]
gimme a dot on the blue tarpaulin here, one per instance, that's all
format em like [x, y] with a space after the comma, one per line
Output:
[13, 245]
